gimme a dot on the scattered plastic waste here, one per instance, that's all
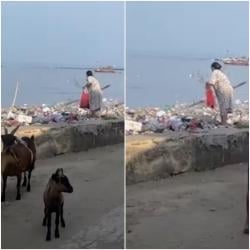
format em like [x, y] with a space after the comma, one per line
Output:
[182, 117]
[62, 112]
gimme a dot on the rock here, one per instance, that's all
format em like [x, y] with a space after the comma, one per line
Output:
[133, 126]
[24, 118]
[212, 209]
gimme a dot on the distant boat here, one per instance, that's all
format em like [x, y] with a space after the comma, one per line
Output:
[236, 61]
[108, 69]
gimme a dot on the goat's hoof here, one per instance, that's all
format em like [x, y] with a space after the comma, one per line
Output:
[246, 231]
[28, 189]
[57, 235]
[24, 184]
[2, 199]
[48, 238]
[18, 197]
[44, 223]
[63, 224]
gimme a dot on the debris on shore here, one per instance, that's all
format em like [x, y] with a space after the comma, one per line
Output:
[59, 113]
[182, 117]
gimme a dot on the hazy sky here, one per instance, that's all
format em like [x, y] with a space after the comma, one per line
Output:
[68, 33]
[188, 28]
[90, 33]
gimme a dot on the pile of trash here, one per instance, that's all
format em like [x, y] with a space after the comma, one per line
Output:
[59, 113]
[182, 117]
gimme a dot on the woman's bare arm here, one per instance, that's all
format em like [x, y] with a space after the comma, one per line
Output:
[87, 85]
[209, 85]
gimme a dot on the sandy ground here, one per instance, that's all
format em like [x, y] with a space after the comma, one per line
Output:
[193, 210]
[93, 213]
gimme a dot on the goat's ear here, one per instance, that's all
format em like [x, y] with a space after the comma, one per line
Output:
[54, 177]
[15, 129]
[59, 172]
[32, 137]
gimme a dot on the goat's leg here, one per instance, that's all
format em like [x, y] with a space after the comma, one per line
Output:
[61, 215]
[24, 179]
[48, 237]
[18, 186]
[4, 188]
[57, 224]
[45, 217]
[29, 176]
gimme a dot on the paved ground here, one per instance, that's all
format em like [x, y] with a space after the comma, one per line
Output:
[94, 212]
[193, 210]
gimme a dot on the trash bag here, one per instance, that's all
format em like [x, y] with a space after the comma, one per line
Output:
[210, 98]
[84, 99]
[175, 123]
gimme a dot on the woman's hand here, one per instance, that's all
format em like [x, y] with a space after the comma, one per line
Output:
[208, 85]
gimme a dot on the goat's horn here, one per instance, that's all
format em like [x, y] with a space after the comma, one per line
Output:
[59, 171]
[15, 129]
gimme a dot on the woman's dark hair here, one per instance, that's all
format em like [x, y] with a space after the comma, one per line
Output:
[216, 65]
[89, 73]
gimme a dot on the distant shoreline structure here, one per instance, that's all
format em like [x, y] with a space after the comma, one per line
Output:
[61, 67]
[241, 61]
[108, 69]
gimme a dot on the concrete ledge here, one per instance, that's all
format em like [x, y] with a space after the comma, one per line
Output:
[159, 156]
[59, 139]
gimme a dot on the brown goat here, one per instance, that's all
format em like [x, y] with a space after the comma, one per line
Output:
[53, 200]
[18, 156]
[31, 145]
[9, 139]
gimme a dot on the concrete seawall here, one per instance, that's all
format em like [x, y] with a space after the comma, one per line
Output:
[158, 156]
[52, 140]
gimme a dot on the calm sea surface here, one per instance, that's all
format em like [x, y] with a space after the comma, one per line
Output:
[151, 81]
[156, 81]
[49, 85]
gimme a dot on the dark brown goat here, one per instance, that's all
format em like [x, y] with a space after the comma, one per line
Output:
[18, 156]
[53, 200]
